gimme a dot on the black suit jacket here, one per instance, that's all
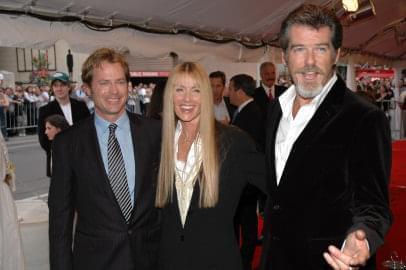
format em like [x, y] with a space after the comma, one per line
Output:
[261, 98]
[230, 107]
[79, 112]
[103, 239]
[208, 241]
[251, 120]
[334, 182]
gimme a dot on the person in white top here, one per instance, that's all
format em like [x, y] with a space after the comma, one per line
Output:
[328, 158]
[73, 110]
[204, 168]
[223, 110]
[11, 251]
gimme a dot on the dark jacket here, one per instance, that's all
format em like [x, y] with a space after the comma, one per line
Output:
[208, 241]
[103, 239]
[262, 99]
[79, 112]
[334, 182]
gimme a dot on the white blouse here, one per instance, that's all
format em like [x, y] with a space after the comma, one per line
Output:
[186, 173]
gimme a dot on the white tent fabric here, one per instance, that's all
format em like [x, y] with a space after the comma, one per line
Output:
[378, 39]
[29, 32]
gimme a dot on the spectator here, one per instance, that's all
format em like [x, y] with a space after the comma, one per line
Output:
[11, 252]
[72, 109]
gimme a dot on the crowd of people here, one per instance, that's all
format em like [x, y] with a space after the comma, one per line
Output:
[19, 105]
[180, 190]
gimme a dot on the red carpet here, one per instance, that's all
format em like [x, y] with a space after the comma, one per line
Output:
[396, 238]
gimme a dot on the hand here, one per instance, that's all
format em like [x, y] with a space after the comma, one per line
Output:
[354, 254]
[7, 179]
[225, 121]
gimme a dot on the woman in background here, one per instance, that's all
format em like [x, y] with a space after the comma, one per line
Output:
[54, 124]
[203, 170]
[11, 253]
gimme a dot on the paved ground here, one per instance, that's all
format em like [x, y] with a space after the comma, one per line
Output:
[29, 159]
[31, 194]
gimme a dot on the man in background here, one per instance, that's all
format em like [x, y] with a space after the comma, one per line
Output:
[223, 110]
[268, 90]
[72, 109]
[247, 117]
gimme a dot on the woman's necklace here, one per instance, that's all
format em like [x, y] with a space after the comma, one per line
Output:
[186, 138]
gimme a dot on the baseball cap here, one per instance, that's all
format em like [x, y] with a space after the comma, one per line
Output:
[60, 76]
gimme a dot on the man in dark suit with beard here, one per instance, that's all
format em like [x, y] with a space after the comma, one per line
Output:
[268, 90]
[70, 108]
[328, 158]
[249, 118]
[105, 170]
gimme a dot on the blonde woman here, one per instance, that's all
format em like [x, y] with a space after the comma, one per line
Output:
[204, 167]
[11, 254]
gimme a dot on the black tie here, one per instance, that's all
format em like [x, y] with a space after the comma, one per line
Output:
[117, 174]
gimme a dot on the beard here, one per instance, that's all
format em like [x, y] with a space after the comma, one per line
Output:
[308, 91]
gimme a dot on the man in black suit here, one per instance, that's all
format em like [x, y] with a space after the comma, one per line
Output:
[71, 109]
[268, 90]
[105, 170]
[328, 155]
[247, 117]
[223, 109]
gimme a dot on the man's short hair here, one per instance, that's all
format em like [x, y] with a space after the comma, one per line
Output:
[315, 17]
[244, 82]
[103, 55]
[218, 74]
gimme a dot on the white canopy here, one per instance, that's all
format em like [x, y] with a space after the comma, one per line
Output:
[240, 21]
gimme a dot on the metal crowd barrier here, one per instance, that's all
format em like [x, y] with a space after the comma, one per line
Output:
[20, 118]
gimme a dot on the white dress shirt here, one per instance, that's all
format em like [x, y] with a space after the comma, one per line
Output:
[67, 112]
[290, 128]
[221, 112]
[269, 89]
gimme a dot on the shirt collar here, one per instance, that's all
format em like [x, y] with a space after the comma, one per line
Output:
[244, 104]
[267, 89]
[287, 98]
[122, 122]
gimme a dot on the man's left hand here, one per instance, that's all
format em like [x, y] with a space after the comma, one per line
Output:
[354, 254]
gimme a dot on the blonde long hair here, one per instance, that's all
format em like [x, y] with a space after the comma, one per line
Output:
[209, 180]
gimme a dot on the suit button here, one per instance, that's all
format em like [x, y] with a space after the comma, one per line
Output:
[276, 207]
[130, 232]
[182, 238]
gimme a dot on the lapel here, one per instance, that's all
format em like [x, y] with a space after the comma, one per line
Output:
[56, 108]
[274, 117]
[326, 111]
[141, 148]
[194, 203]
[75, 116]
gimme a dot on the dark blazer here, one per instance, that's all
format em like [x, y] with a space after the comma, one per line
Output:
[79, 112]
[251, 120]
[230, 107]
[207, 241]
[334, 182]
[103, 239]
[262, 99]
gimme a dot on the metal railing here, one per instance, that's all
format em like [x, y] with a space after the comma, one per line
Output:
[20, 118]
